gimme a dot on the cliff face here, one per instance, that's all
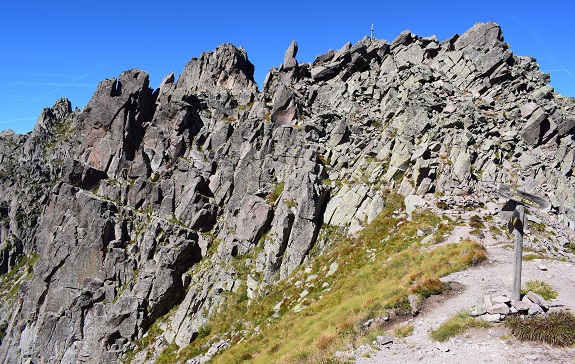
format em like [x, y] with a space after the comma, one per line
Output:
[142, 203]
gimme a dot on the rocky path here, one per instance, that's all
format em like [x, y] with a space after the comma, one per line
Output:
[493, 345]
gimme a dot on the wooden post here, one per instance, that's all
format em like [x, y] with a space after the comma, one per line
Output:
[517, 223]
[518, 251]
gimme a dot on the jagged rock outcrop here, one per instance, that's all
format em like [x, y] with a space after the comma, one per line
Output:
[152, 203]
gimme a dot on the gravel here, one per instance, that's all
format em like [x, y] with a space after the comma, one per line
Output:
[494, 345]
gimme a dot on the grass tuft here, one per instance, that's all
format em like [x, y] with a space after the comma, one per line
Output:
[476, 255]
[442, 205]
[168, 355]
[476, 223]
[325, 341]
[531, 256]
[543, 289]
[204, 331]
[557, 329]
[429, 287]
[403, 331]
[275, 194]
[347, 327]
[457, 325]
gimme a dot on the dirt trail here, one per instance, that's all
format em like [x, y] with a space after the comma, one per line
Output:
[492, 345]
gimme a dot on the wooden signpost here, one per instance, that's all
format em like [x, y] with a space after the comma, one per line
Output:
[517, 224]
[523, 197]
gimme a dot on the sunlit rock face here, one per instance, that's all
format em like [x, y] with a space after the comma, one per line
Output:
[141, 205]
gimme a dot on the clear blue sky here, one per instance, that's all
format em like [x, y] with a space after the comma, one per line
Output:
[53, 49]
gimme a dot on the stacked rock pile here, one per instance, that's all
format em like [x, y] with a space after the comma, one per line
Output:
[497, 308]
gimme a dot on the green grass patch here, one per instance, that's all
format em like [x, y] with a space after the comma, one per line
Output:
[443, 229]
[403, 331]
[476, 224]
[570, 247]
[204, 331]
[495, 229]
[10, 282]
[428, 287]
[442, 205]
[272, 197]
[531, 256]
[168, 355]
[147, 341]
[557, 329]
[456, 326]
[543, 289]
[538, 227]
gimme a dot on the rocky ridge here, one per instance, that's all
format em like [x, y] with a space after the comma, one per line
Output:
[143, 204]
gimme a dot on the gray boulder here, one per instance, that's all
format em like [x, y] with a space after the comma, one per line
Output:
[289, 56]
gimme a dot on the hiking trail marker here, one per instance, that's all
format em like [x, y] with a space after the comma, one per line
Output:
[517, 224]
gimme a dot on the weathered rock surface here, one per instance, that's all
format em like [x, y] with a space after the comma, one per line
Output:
[152, 203]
